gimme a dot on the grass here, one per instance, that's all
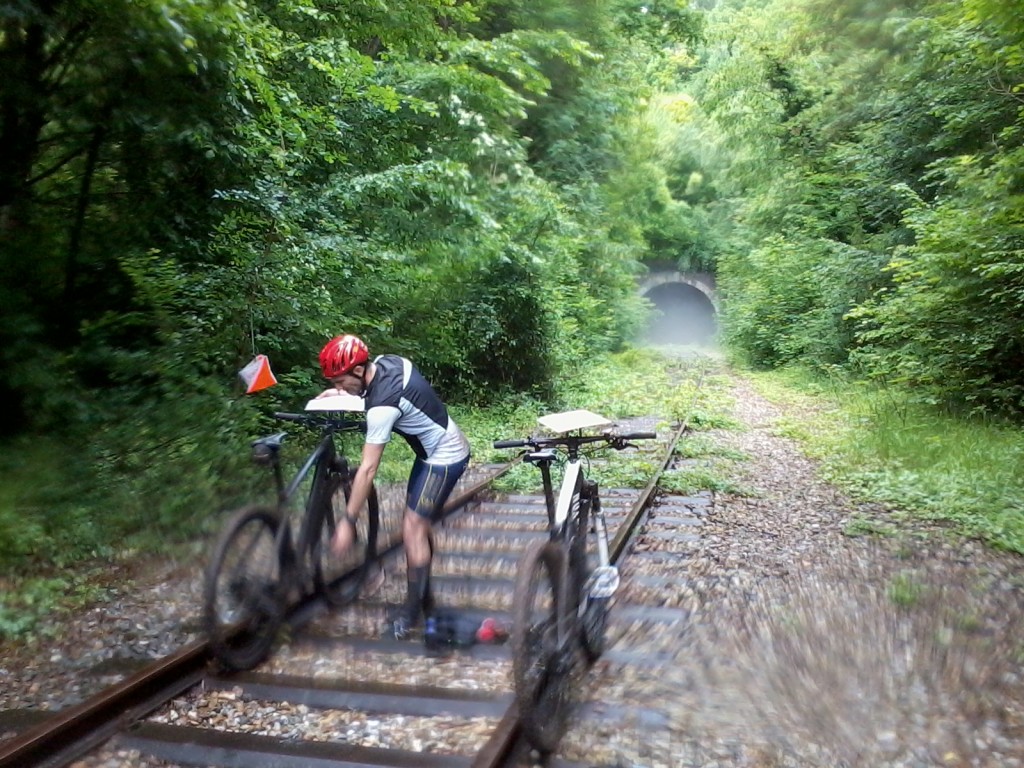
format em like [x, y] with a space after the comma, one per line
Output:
[631, 384]
[699, 447]
[905, 591]
[966, 473]
[44, 505]
[638, 383]
[688, 481]
[522, 478]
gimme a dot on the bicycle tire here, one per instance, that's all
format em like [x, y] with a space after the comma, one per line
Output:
[593, 623]
[576, 537]
[539, 675]
[594, 627]
[242, 601]
[340, 580]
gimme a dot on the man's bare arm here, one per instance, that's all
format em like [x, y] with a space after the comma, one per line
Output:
[363, 480]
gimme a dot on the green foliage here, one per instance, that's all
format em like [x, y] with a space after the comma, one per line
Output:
[336, 168]
[873, 189]
[710, 408]
[522, 478]
[864, 526]
[46, 512]
[688, 481]
[608, 385]
[622, 470]
[699, 447]
[512, 417]
[950, 328]
[22, 610]
[23, 522]
[905, 591]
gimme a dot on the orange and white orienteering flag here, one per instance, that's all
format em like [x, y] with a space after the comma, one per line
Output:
[257, 375]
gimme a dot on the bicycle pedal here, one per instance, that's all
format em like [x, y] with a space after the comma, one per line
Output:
[402, 630]
[603, 582]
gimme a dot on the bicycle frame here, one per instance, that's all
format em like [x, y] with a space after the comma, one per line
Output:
[558, 512]
[577, 585]
[603, 581]
[324, 458]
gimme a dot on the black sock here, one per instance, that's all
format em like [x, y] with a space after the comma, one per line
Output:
[418, 577]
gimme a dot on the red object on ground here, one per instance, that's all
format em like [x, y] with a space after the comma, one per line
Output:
[489, 631]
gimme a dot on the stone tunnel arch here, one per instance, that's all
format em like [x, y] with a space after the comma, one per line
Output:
[686, 307]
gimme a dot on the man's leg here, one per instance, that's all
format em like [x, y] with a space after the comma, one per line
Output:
[429, 604]
[416, 537]
[429, 488]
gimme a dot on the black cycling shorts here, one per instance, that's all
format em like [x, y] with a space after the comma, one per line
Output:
[430, 485]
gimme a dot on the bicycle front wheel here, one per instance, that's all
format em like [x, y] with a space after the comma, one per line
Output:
[594, 627]
[340, 579]
[594, 616]
[242, 601]
[540, 660]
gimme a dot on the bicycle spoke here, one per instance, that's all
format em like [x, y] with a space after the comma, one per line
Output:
[243, 606]
[340, 579]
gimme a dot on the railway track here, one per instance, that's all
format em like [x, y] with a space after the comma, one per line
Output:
[322, 699]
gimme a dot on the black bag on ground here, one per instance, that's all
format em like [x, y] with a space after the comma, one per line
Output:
[449, 628]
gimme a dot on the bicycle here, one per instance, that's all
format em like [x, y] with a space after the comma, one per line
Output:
[560, 603]
[260, 564]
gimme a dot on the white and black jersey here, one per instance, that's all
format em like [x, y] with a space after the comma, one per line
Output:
[400, 400]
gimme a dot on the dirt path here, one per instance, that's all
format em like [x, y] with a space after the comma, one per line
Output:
[809, 647]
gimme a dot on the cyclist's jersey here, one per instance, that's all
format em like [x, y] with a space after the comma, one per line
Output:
[400, 400]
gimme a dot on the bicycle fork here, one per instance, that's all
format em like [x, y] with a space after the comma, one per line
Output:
[604, 581]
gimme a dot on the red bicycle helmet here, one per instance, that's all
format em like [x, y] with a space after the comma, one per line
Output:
[341, 354]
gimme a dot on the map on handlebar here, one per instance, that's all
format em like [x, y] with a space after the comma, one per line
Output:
[348, 403]
[570, 421]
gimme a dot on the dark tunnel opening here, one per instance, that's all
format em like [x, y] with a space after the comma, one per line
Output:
[683, 315]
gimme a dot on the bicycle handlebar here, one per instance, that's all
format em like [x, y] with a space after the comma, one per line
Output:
[639, 436]
[510, 443]
[322, 420]
[615, 440]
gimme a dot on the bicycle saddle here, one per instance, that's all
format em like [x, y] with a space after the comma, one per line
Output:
[265, 448]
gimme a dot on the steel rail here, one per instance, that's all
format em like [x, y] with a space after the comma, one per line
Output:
[73, 732]
[624, 532]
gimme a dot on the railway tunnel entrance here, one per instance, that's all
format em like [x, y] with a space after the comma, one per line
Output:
[685, 311]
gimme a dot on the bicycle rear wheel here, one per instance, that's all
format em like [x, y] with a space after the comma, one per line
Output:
[540, 661]
[242, 601]
[340, 579]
